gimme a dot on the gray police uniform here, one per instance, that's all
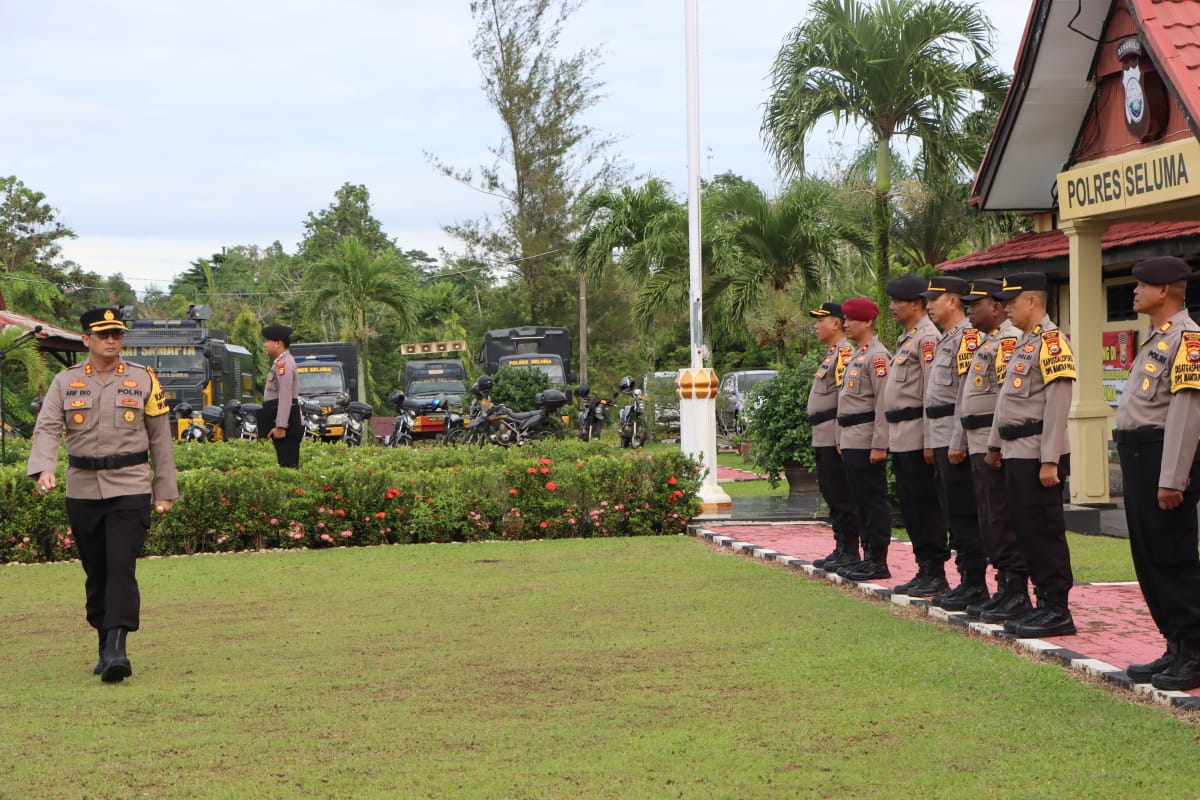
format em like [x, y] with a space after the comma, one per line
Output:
[1030, 429]
[916, 481]
[977, 407]
[952, 360]
[116, 426]
[822, 415]
[280, 393]
[1158, 425]
[863, 428]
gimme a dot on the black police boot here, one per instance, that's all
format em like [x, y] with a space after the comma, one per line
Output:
[975, 610]
[820, 563]
[1016, 603]
[845, 555]
[1184, 672]
[1142, 673]
[932, 583]
[972, 589]
[906, 587]
[1051, 619]
[114, 665]
[102, 636]
[870, 568]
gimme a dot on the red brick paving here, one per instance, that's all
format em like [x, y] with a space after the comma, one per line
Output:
[734, 474]
[1114, 625]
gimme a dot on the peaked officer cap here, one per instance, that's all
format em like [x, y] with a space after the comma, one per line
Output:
[828, 310]
[909, 287]
[983, 287]
[101, 319]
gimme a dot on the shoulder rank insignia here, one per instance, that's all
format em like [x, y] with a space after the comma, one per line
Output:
[1185, 371]
[1056, 359]
[77, 385]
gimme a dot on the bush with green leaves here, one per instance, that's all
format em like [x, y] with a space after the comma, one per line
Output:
[780, 433]
[515, 387]
[234, 497]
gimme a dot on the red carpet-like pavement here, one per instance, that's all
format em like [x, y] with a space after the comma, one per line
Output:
[1115, 628]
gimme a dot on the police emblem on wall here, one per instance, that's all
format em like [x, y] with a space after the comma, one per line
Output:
[1145, 100]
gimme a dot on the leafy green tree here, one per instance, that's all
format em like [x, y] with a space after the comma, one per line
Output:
[351, 287]
[30, 242]
[516, 387]
[25, 377]
[548, 158]
[911, 68]
[349, 215]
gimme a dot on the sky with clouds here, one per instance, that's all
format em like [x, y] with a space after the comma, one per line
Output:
[163, 131]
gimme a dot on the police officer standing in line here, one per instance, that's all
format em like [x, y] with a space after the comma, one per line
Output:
[822, 413]
[863, 439]
[976, 406]
[1029, 436]
[115, 418]
[1158, 424]
[951, 361]
[912, 460]
[280, 396]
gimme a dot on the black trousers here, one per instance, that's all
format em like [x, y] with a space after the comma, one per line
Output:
[287, 450]
[921, 506]
[962, 513]
[1037, 513]
[831, 479]
[109, 535]
[995, 520]
[868, 485]
[1163, 543]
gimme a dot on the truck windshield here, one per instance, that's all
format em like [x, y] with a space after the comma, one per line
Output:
[436, 387]
[167, 359]
[552, 366]
[323, 379]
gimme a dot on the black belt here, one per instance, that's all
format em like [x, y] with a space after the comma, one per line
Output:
[902, 414]
[108, 462]
[1138, 435]
[1010, 432]
[972, 422]
[937, 412]
[850, 420]
[817, 417]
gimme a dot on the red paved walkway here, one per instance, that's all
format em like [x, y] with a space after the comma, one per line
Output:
[1115, 628]
[734, 474]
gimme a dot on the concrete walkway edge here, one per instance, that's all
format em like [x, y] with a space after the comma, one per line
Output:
[1067, 658]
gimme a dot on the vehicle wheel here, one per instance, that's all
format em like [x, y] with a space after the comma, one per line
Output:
[455, 438]
[591, 432]
[637, 434]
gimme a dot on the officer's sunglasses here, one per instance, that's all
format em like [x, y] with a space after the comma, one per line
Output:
[114, 334]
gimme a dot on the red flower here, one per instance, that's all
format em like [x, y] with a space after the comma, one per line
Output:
[327, 488]
[299, 491]
[671, 481]
[392, 494]
[551, 486]
[380, 514]
[512, 491]
[545, 524]
[532, 470]
[545, 462]
[545, 470]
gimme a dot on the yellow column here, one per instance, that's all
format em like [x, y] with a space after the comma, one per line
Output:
[1090, 418]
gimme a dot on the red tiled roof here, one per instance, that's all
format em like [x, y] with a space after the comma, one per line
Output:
[50, 337]
[1171, 28]
[1053, 244]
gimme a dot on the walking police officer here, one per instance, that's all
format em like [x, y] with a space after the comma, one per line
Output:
[951, 361]
[912, 460]
[114, 415]
[863, 438]
[1158, 425]
[976, 407]
[281, 395]
[822, 413]
[1029, 436]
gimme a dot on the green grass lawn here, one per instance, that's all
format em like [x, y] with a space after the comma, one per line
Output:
[633, 668]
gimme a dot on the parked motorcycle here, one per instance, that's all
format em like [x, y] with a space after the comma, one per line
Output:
[633, 416]
[314, 419]
[592, 414]
[493, 423]
[245, 420]
[406, 420]
[202, 429]
[357, 416]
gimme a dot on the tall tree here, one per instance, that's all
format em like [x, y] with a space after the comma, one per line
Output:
[911, 68]
[348, 215]
[354, 284]
[548, 157]
[30, 242]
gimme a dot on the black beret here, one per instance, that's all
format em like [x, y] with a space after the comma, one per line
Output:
[101, 319]
[983, 287]
[1022, 282]
[909, 287]
[945, 284]
[828, 310]
[277, 333]
[1161, 270]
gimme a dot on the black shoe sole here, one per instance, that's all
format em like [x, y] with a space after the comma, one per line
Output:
[1045, 633]
[1169, 684]
[1139, 677]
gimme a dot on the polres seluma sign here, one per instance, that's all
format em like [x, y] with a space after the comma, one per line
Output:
[1144, 177]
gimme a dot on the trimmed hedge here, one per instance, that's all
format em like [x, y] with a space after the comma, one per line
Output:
[234, 497]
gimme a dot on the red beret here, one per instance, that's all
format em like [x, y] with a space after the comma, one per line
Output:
[862, 309]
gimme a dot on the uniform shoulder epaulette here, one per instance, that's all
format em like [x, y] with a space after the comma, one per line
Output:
[1056, 359]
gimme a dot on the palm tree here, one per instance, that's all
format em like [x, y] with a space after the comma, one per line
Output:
[763, 248]
[355, 284]
[25, 377]
[908, 68]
